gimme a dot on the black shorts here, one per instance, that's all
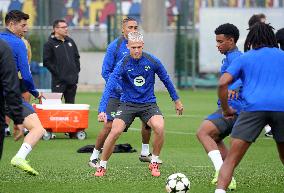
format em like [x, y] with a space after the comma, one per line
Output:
[23, 87]
[223, 125]
[128, 111]
[250, 124]
[112, 107]
[27, 109]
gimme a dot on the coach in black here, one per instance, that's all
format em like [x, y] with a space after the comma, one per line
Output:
[61, 57]
[9, 92]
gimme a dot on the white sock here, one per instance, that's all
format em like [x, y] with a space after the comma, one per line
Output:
[267, 128]
[145, 150]
[155, 159]
[24, 150]
[216, 158]
[95, 154]
[220, 191]
[103, 164]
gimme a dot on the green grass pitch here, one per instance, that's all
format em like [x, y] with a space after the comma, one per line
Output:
[65, 171]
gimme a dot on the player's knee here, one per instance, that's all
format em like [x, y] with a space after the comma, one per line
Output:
[200, 133]
[115, 133]
[159, 130]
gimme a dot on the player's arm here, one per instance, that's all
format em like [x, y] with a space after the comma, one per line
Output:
[24, 68]
[10, 84]
[165, 78]
[108, 62]
[233, 73]
[48, 59]
[224, 81]
[111, 84]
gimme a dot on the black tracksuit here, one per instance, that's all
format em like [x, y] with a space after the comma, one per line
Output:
[9, 91]
[61, 58]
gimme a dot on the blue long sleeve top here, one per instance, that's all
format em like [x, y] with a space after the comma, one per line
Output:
[20, 56]
[236, 84]
[116, 50]
[138, 79]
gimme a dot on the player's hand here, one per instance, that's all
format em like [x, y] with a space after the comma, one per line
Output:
[179, 107]
[229, 113]
[40, 97]
[18, 132]
[232, 94]
[102, 117]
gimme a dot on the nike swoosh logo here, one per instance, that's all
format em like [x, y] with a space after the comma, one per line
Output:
[56, 46]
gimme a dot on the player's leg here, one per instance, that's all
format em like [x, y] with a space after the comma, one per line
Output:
[156, 122]
[280, 147]
[235, 154]
[145, 155]
[36, 131]
[123, 119]
[208, 134]
[26, 96]
[211, 134]
[111, 110]
[151, 114]
[94, 159]
[245, 131]
[118, 127]
[277, 128]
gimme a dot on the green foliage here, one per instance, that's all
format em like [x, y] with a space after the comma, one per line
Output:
[63, 170]
[94, 49]
[34, 40]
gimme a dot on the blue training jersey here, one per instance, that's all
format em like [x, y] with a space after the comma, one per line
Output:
[261, 72]
[116, 50]
[235, 85]
[20, 56]
[138, 79]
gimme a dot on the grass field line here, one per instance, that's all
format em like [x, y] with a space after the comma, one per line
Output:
[189, 133]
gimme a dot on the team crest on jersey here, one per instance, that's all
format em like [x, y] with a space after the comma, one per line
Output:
[147, 68]
[139, 81]
[112, 114]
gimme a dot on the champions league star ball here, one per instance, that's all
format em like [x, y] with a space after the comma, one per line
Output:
[177, 183]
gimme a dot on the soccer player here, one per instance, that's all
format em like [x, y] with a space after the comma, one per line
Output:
[216, 127]
[16, 22]
[261, 70]
[9, 91]
[253, 20]
[137, 72]
[280, 38]
[25, 93]
[115, 52]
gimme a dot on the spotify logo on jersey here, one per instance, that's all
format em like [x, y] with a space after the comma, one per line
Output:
[139, 81]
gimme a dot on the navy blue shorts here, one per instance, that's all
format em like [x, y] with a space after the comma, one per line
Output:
[223, 125]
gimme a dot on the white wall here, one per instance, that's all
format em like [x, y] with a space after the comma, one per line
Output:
[162, 45]
[210, 18]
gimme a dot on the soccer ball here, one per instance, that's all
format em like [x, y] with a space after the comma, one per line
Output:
[177, 183]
